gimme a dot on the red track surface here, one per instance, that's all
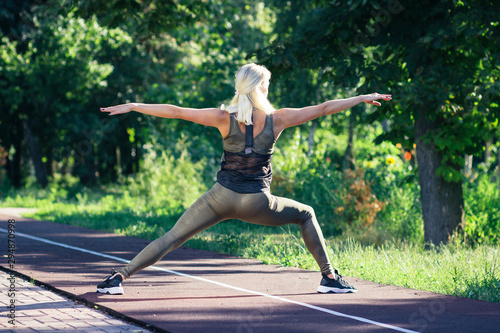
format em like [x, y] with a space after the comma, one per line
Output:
[239, 297]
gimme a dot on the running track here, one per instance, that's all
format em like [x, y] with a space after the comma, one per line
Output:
[200, 291]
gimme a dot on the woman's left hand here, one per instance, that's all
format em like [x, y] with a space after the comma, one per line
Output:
[118, 109]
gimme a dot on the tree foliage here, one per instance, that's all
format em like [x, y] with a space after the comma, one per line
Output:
[49, 78]
[440, 60]
[62, 60]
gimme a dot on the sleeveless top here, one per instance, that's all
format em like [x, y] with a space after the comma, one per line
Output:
[247, 173]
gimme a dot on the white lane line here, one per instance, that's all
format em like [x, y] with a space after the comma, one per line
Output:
[314, 307]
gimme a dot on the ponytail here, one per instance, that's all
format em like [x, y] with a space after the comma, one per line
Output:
[248, 96]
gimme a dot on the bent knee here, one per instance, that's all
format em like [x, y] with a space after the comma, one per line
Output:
[308, 213]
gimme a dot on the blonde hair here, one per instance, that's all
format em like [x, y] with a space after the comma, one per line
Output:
[248, 96]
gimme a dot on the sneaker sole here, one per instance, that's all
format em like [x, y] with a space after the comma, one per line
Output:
[111, 291]
[330, 290]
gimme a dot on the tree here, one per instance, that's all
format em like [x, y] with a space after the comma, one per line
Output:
[12, 25]
[206, 53]
[439, 59]
[182, 52]
[47, 81]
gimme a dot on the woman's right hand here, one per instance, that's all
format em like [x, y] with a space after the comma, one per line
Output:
[118, 109]
[372, 98]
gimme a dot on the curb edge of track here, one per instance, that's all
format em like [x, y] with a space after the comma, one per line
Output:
[87, 303]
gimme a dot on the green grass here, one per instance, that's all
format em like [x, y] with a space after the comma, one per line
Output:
[452, 270]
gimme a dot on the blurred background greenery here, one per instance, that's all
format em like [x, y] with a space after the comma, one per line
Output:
[429, 160]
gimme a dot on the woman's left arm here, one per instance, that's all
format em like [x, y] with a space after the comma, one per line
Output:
[289, 117]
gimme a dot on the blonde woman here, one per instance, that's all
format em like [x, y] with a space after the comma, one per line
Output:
[249, 128]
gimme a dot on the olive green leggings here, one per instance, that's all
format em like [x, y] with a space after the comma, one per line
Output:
[219, 204]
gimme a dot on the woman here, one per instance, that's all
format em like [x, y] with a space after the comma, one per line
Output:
[249, 129]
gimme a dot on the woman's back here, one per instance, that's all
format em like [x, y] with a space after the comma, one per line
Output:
[246, 161]
[263, 136]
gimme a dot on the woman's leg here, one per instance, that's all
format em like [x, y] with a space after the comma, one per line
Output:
[266, 209]
[197, 218]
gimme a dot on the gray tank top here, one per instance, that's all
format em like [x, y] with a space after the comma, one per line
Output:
[247, 173]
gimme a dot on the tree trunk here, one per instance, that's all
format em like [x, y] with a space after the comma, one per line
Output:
[35, 154]
[468, 166]
[385, 125]
[310, 138]
[498, 164]
[14, 166]
[87, 170]
[442, 201]
[487, 151]
[349, 159]
[50, 164]
[118, 162]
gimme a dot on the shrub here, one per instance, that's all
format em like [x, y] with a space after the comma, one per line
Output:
[482, 210]
[343, 201]
[359, 206]
[166, 184]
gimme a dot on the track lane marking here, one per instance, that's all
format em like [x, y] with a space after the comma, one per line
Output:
[286, 300]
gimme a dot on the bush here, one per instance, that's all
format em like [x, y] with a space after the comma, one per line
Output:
[359, 205]
[166, 184]
[482, 209]
[344, 202]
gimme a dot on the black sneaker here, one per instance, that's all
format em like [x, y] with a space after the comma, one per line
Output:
[112, 285]
[338, 286]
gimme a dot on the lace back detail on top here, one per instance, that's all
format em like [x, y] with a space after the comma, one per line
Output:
[242, 172]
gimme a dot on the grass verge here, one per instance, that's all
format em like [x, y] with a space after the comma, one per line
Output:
[451, 270]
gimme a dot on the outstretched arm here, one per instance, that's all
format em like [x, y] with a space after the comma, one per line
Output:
[209, 117]
[289, 117]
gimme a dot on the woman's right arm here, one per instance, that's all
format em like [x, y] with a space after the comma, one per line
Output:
[209, 117]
